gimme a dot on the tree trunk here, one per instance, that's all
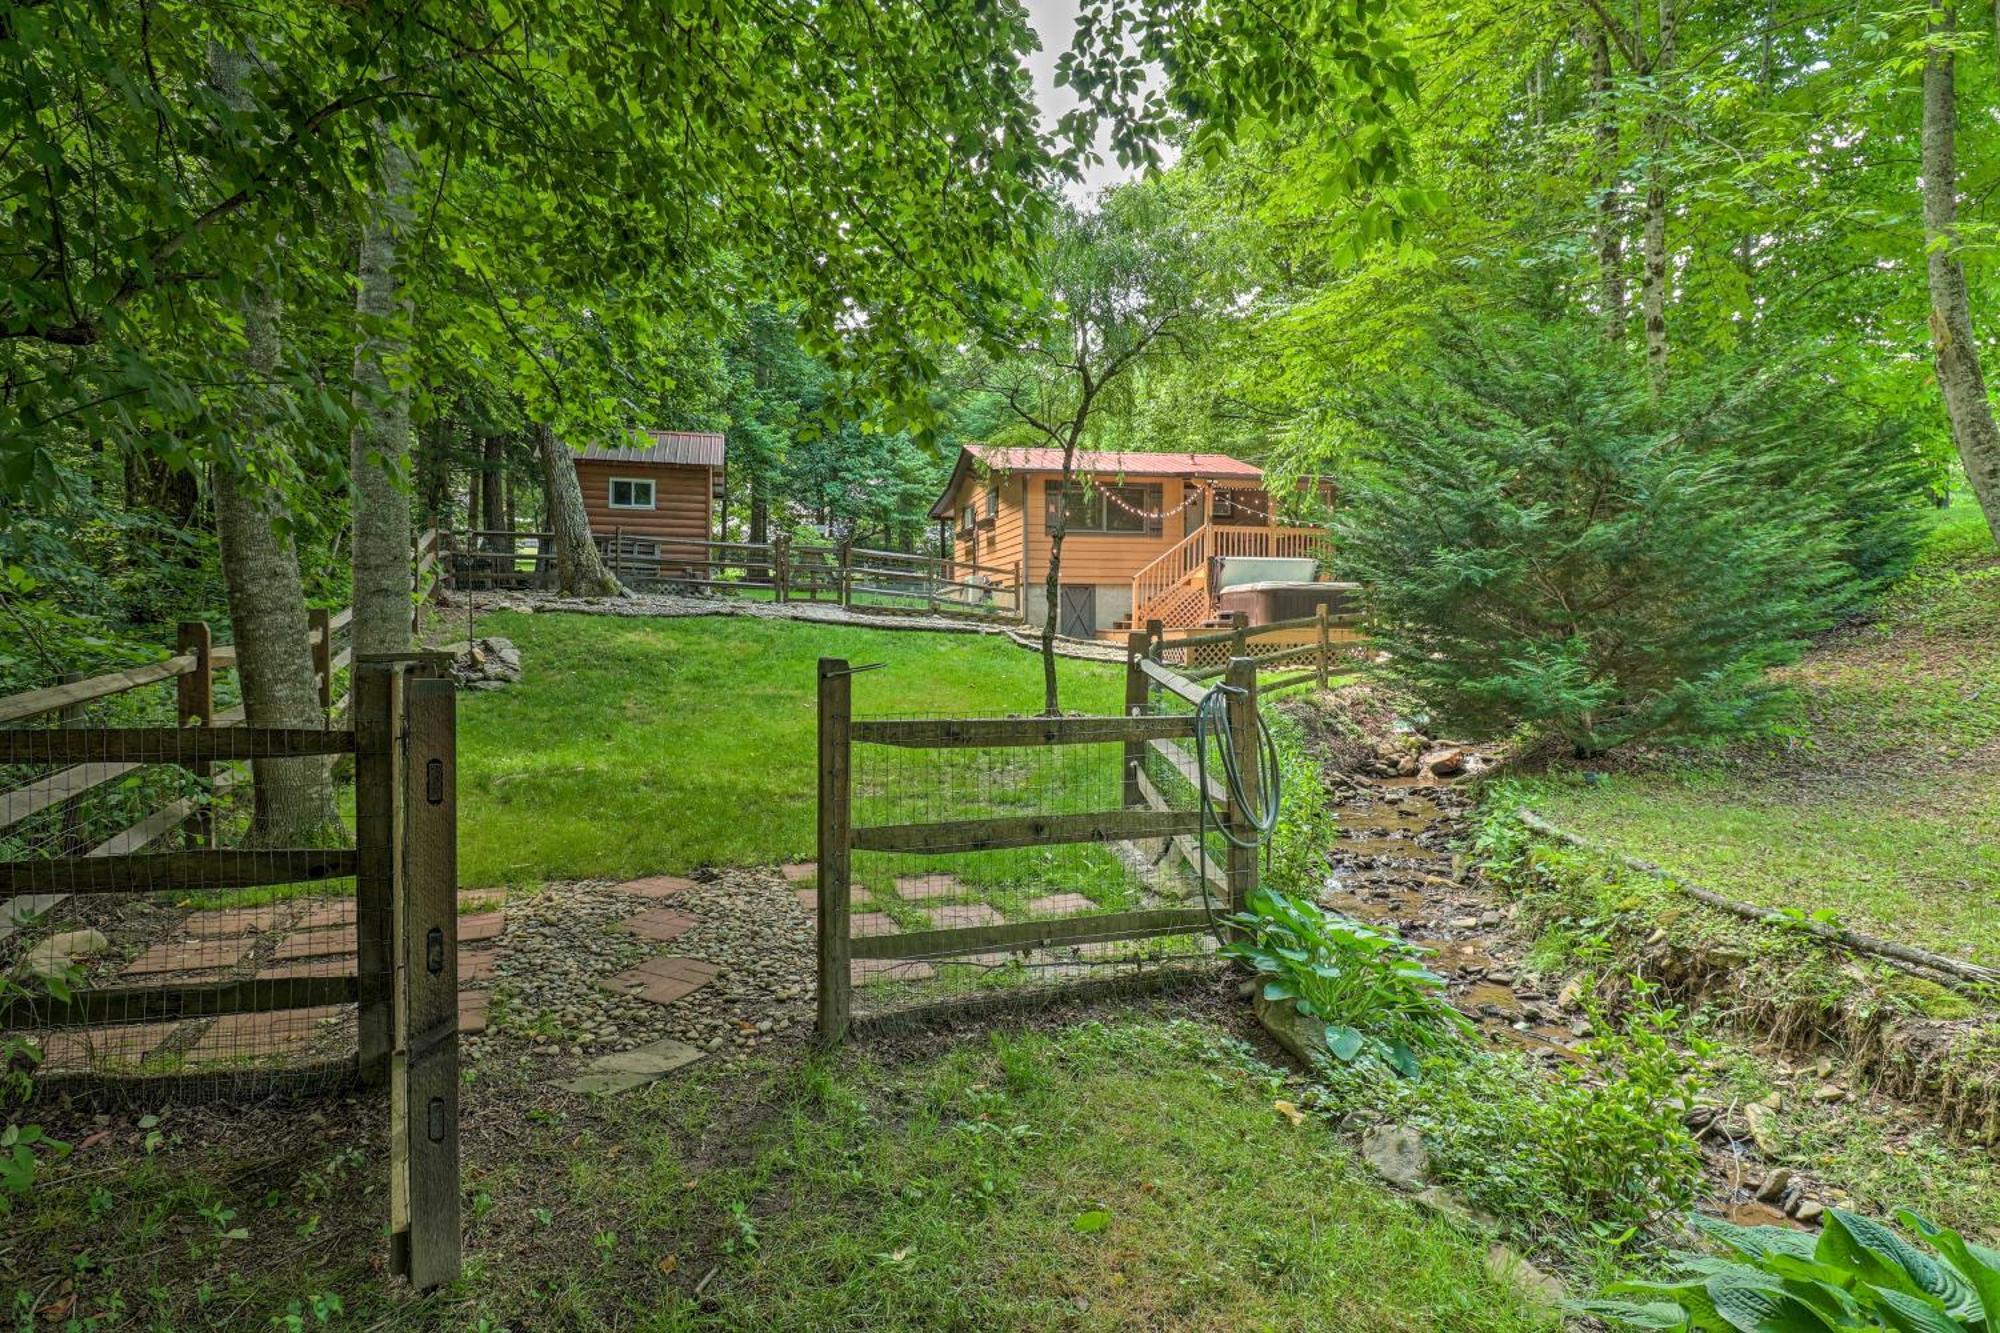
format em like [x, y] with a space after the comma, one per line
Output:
[1958, 371]
[292, 799]
[379, 446]
[1052, 585]
[493, 465]
[1610, 213]
[1653, 294]
[580, 572]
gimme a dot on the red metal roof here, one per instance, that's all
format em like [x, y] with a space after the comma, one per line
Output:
[1095, 463]
[696, 448]
[1101, 463]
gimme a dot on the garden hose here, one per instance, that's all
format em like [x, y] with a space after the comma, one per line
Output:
[1211, 717]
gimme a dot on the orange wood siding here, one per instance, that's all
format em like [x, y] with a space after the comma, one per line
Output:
[682, 502]
[1090, 557]
[998, 546]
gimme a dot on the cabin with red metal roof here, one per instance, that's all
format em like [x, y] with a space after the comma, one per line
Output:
[1143, 531]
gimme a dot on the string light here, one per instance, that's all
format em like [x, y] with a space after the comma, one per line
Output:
[1197, 490]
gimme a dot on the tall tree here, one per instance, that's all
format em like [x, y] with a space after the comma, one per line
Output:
[292, 798]
[378, 465]
[1124, 285]
[1953, 343]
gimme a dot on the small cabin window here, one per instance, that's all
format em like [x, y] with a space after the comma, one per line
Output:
[631, 493]
[993, 500]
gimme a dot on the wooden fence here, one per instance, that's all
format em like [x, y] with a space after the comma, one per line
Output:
[209, 1000]
[192, 668]
[1318, 647]
[1147, 815]
[782, 569]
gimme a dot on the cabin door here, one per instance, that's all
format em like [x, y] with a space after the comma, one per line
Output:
[1077, 611]
[1194, 518]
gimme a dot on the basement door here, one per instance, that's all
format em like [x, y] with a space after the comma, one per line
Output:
[1077, 617]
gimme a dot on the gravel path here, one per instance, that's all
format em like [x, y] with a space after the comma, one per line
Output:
[562, 942]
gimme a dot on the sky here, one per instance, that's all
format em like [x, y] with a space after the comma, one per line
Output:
[1055, 22]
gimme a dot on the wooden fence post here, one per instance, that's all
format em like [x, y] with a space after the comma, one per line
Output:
[1239, 623]
[378, 845]
[1325, 648]
[424, 1095]
[194, 703]
[1242, 701]
[781, 568]
[846, 575]
[319, 631]
[1135, 704]
[835, 823]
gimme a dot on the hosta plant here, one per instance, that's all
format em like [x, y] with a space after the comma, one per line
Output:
[1857, 1273]
[1368, 987]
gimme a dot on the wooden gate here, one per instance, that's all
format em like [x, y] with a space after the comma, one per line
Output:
[1147, 816]
[397, 985]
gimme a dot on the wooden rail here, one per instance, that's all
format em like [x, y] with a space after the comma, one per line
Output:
[1147, 817]
[788, 570]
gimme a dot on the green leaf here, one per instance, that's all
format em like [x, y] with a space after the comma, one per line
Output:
[1762, 1309]
[1094, 1219]
[1657, 1315]
[1343, 1041]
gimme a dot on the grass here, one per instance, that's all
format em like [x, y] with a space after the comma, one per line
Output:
[1883, 807]
[637, 746]
[1125, 1174]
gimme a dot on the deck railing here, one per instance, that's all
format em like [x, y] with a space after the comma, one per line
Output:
[1180, 578]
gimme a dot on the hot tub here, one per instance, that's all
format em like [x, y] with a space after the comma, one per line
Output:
[1266, 601]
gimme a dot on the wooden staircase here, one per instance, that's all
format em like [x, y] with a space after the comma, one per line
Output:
[1174, 588]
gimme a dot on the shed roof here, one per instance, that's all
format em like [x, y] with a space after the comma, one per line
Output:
[1096, 463]
[693, 448]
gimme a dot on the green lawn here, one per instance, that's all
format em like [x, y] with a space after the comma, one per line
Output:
[1130, 1173]
[637, 746]
[1885, 806]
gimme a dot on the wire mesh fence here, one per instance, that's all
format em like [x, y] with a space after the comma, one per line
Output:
[1000, 859]
[178, 910]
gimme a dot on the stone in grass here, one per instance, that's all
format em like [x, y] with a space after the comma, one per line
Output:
[1397, 1154]
[1504, 1265]
[53, 955]
[626, 1070]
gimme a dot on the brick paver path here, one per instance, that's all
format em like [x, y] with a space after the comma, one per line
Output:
[662, 979]
[662, 925]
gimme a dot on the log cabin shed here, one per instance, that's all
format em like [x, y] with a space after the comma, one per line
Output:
[646, 497]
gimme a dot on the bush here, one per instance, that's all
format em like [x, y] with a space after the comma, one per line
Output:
[1857, 1273]
[1546, 546]
[1368, 989]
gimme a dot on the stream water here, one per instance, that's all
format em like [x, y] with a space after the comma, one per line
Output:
[1393, 863]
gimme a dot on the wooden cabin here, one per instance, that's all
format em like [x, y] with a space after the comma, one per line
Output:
[640, 499]
[1142, 536]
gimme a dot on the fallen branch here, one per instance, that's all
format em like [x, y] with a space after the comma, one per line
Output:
[1956, 973]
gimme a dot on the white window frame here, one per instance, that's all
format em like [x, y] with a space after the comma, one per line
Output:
[652, 493]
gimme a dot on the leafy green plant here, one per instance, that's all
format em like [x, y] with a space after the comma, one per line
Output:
[1857, 1273]
[23, 1146]
[1368, 987]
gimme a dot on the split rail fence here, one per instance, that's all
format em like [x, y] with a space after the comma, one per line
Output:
[782, 569]
[211, 972]
[1017, 859]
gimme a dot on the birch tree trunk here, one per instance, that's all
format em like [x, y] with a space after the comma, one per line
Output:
[580, 572]
[292, 799]
[1959, 376]
[1653, 287]
[379, 446]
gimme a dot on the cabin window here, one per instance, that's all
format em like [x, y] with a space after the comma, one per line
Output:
[993, 501]
[1110, 509]
[631, 493]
